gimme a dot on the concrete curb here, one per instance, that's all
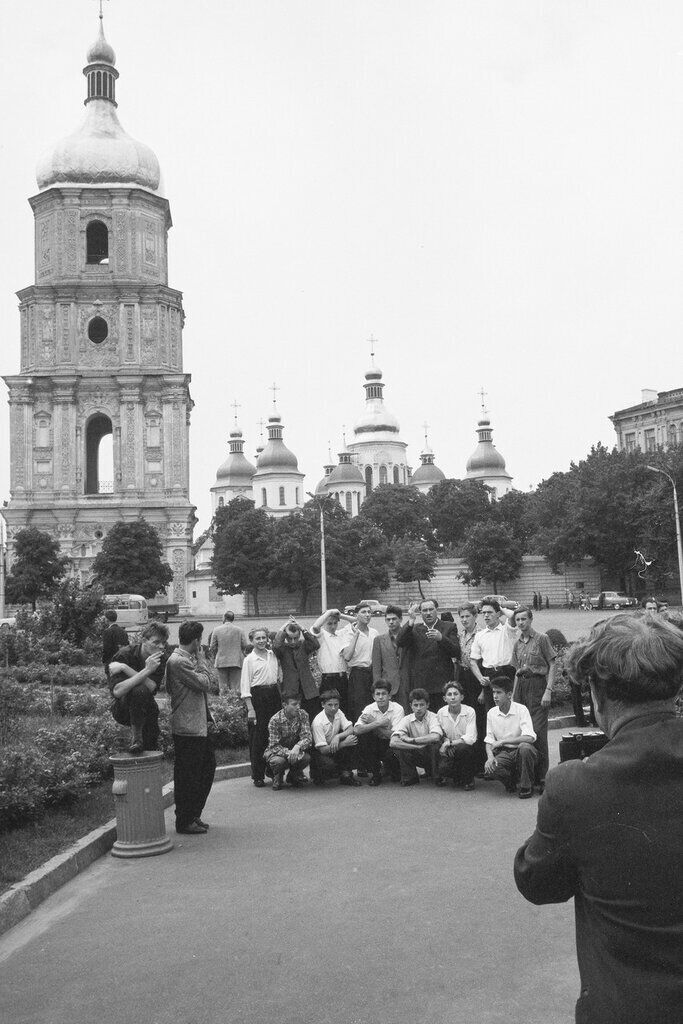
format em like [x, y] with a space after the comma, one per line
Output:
[23, 897]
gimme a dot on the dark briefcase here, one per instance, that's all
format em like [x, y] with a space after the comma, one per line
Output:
[577, 745]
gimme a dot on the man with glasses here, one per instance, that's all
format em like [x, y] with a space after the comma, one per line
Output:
[135, 675]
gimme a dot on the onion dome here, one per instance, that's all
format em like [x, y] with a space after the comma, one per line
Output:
[236, 471]
[346, 473]
[485, 460]
[376, 418]
[321, 489]
[428, 474]
[100, 152]
[276, 456]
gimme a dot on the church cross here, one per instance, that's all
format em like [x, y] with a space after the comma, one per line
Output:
[261, 424]
[426, 428]
[236, 405]
[482, 394]
[372, 342]
[101, 14]
[274, 388]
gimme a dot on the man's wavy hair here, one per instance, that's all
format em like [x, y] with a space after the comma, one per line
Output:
[631, 658]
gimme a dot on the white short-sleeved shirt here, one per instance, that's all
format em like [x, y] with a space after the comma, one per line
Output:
[362, 655]
[464, 727]
[517, 722]
[389, 718]
[258, 671]
[494, 646]
[325, 730]
[330, 651]
[411, 726]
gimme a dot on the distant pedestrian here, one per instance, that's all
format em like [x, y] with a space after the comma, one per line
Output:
[228, 648]
[114, 638]
[535, 601]
[547, 601]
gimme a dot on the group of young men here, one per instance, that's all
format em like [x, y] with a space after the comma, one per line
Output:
[456, 704]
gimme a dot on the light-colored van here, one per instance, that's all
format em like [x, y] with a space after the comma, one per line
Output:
[131, 610]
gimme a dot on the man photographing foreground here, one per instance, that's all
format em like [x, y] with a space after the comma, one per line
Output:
[610, 828]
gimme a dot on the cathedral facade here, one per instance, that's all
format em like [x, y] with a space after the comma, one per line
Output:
[100, 408]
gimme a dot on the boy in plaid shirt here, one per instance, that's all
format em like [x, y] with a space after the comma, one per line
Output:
[289, 739]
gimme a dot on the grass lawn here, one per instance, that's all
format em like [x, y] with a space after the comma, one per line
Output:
[25, 848]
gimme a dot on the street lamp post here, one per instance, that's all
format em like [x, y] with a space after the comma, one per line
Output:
[679, 545]
[323, 568]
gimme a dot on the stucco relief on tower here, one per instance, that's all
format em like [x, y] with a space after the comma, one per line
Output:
[71, 264]
[121, 241]
[179, 569]
[65, 333]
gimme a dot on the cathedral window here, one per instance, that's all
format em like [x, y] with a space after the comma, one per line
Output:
[282, 495]
[349, 499]
[382, 475]
[42, 431]
[99, 470]
[98, 329]
[396, 479]
[296, 492]
[96, 242]
[368, 478]
[264, 496]
[221, 502]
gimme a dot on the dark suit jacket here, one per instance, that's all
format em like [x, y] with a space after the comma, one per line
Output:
[610, 834]
[297, 677]
[431, 663]
[393, 665]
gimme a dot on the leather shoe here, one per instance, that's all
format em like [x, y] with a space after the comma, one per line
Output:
[277, 783]
[524, 794]
[410, 782]
[468, 786]
[376, 780]
[136, 748]
[439, 781]
[259, 783]
[193, 829]
[204, 824]
[348, 780]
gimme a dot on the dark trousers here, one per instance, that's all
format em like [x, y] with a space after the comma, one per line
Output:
[473, 688]
[280, 764]
[517, 765]
[577, 705]
[436, 701]
[193, 771]
[374, 751]
[327, 766]
[458, 763]
[424, 757]
[338, 681]
[143, 711]
[360, 691]
[266, 701]
[528, 691]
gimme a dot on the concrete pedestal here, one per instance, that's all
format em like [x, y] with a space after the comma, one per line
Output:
[138, 801]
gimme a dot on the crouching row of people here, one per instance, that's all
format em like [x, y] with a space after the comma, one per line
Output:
[386, 743]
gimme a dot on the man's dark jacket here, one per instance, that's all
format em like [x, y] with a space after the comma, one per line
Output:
[610, 834]
[297, 677]
[431, 662]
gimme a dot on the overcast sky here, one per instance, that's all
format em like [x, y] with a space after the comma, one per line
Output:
[491, 188]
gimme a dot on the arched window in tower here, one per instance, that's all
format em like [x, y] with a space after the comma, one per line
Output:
[96, 242]
[221, 501]
[382, 475]
[264, 497]
[349, 501]
[99, 455]
[282, 495]
[368, 478]
[396, 476]
[42, 430]
[672, 434]
[296, 498]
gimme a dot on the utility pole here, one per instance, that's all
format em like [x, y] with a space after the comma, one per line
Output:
[679, 544]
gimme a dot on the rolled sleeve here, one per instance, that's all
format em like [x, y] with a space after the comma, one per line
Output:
[470, 737]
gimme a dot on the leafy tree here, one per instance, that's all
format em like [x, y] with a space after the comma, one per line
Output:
[243, 539]
[454, 506]
[36, 568]
[413, 562]
[399, 510]
[517, 509]
[131, 561]
[491, 553]
[357, 554]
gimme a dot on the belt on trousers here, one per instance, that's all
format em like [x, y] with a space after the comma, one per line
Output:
[531, 675]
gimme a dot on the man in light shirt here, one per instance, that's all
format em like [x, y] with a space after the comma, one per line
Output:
[374, 728]
[415, 739]
[259, 689]
[458, 724]
[491, 651]
[357, 653]
[334, 675]
[510, 738]
[334, 743]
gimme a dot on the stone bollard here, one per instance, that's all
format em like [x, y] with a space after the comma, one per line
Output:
[140, 825]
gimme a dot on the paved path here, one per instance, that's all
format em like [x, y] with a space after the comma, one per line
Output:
[334, 906]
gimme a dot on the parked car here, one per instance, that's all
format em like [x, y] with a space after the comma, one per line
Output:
[614, 599]
[376, 606]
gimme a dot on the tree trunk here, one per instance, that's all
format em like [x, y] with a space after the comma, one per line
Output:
[419, 587]
[304, 600]
[254, 594]
[495, 585]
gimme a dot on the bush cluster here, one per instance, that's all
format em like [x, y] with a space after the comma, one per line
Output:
[57, 675]
[65, 758]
